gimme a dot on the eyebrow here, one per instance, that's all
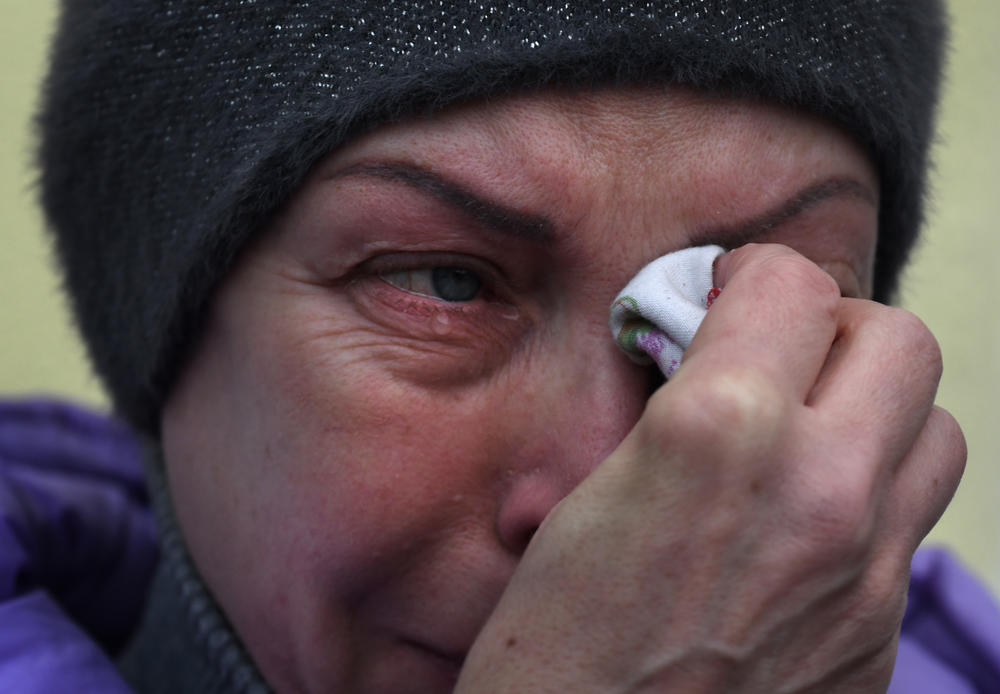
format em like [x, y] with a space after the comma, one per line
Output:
[516, 223]
[733, 236]
[501, 218]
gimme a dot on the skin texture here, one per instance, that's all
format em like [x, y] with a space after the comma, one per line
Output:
[359, 467]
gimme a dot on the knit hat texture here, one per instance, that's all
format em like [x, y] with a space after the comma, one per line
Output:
[171, 130]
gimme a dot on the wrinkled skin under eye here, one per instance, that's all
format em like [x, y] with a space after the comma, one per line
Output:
[451, 284]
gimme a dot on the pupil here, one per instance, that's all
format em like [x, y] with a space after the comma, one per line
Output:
[455, 283]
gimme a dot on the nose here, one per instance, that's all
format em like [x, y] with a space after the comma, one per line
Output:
[565, 429]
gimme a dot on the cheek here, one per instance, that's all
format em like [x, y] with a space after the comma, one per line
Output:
[338, 481]
[367, 464]
[305, 468]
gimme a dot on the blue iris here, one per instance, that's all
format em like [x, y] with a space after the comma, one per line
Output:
[455, 283]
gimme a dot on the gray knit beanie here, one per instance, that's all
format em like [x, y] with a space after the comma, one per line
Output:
[170, 130]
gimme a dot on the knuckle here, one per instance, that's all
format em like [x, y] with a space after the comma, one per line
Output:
[950, 429]
[739, 399]
[790, 275]
[740, 396]
[916, 338]
[737, 404]
[792, 270]
[952, 432]
[952, 465]
[808, 277]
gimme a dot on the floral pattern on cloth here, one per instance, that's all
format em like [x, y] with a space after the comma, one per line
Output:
[654, 318]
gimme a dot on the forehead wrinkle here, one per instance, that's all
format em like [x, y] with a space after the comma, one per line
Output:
[572, 146]
[650, 124]
[567, 150]
[532, 156]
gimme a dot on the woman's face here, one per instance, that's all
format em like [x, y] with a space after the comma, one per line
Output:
[408, 370]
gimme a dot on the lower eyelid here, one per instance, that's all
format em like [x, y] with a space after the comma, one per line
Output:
[414, 303]
[478, 336]
[422, 282]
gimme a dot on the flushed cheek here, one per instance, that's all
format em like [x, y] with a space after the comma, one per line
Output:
[372, 456]
[373, 481]
[383, 445]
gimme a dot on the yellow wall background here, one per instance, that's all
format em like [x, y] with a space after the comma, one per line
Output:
[951, 286]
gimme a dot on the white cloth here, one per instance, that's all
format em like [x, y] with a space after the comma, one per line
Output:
[654, 318]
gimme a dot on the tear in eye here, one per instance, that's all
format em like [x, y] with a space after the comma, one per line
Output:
[453, 284]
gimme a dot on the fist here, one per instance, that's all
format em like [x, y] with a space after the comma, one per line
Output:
[753, 532]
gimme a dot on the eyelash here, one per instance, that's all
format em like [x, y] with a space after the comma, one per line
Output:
[422, 306]
[426, 282]
[396, 263]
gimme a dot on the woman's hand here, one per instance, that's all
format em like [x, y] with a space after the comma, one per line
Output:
[753, 532]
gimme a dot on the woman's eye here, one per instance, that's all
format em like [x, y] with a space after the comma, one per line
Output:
[453, 284]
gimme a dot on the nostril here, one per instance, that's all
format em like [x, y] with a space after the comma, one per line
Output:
[518, 545]
[517, 541]
[523, 509]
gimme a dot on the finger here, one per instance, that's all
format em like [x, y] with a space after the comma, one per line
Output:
[878, 383]
[925, 481]
[776, 316]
